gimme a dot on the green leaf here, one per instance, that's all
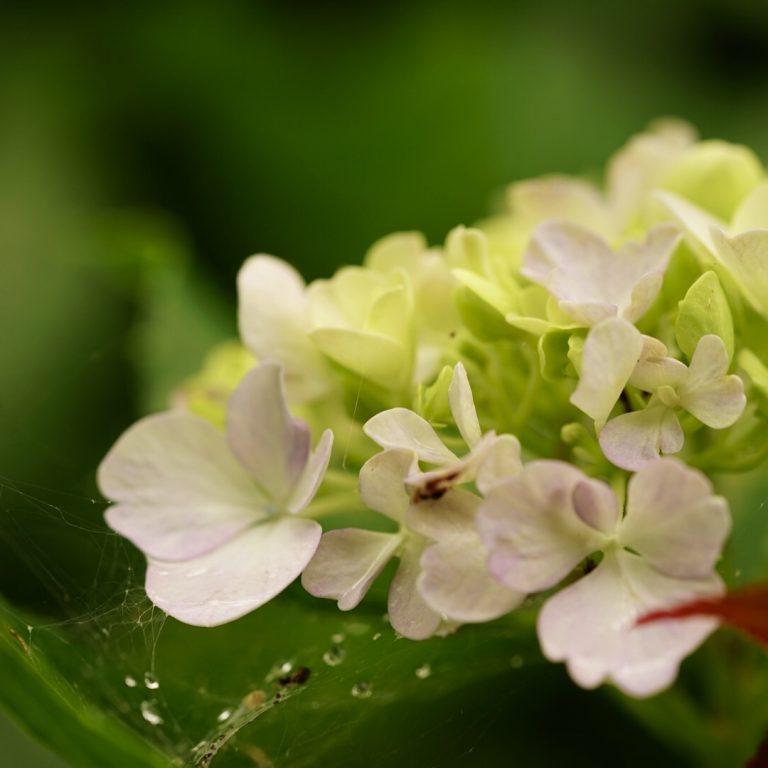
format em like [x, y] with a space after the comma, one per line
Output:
[704, 310]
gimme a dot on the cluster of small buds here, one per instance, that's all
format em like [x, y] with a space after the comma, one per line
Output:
[509, 402]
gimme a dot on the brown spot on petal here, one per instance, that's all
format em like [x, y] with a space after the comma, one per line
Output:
[434, 488]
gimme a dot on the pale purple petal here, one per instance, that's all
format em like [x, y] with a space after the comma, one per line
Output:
[265, 438]
[633, 439]
[463, 406]
[611, 351]
[180, 492]
[313, 474]
[531, 528]
[455, 582]
[401, 428]
[591, 625]
[238, 576]
[409, 614]
[596, 504]
[346, 563]
[674, 520]
[382, 482]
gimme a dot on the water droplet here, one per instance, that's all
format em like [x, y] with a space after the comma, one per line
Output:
[150, 681]
[224, 715]
[286, 667]
[130, 681]
[358, 628]
[424, 671]
[516, 662]
[334, 656]
[149, 713]
[337, 638]
[377, 636]
[362, 690]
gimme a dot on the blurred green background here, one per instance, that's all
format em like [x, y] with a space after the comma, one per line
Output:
[146, 149]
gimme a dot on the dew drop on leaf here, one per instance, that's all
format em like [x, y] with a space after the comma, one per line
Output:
[224, 715]
[151, 682]
[130, 681]
[149, 713]
[337, 638]
[362, 691]
[424, 671]
[334, 656]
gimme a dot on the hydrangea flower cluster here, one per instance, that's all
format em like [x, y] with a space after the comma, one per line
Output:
[532, 409]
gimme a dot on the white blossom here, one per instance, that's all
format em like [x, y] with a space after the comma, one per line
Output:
[217, 514]
[544, 521]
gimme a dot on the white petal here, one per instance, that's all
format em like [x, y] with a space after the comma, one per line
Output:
[433, 484]
[642, 265]
[313, 474]
[674, 520]
[382, 482]
[559, 197]
[501, 461]
[696, 223]
[463, 406]
[455, 582]
[584, 274]
[633, 439]
[746, 258]
[373, 356]
[637, 168]
[452, 516]
[611, 351]
[531, 528]
[712, 397]
[409, 614]
[180, 492]
[346, 563]
[591, 625]
[401, 428]
[266, 439]
[655, 369]
[752, 212]
[273, 317]
[236, 578]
